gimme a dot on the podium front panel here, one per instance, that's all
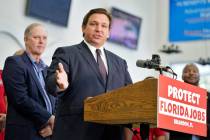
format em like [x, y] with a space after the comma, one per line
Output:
[181, 107]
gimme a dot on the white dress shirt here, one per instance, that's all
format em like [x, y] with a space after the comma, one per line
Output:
[93, 51]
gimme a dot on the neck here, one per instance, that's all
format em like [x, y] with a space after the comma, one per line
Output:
[196, 84]
[36, 57]
[93, 44]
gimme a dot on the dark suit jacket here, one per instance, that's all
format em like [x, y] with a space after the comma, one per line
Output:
[85, 81]
[208, 119]
[26, 112]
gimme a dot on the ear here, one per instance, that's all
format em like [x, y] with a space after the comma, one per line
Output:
[108, 36]
[83, 28]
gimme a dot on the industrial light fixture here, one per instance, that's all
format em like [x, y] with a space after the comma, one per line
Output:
[204, 61]
[170, 49]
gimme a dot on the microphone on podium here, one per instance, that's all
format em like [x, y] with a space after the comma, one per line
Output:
[150, 64]
[147, 64]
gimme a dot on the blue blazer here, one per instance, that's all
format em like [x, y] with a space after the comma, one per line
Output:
[26, 112]
[85, 81]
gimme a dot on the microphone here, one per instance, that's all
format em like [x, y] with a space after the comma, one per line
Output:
[149, 64]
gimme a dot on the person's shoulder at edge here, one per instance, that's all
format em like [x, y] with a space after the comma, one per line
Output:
[113, 55]
[116, 59]
[14, 57]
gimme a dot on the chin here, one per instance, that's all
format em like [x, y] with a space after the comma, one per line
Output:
[94, 43]
[192, 82]
[39, 53]
[98, 41]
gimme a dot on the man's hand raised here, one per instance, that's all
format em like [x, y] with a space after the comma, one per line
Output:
[61, 78]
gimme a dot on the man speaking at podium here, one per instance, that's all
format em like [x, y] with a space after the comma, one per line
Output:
[86, 70]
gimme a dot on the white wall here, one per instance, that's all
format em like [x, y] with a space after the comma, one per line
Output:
[13, 19]
[154, 32]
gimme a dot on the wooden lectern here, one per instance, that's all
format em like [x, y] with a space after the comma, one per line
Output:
[179, 105]
[135, 103]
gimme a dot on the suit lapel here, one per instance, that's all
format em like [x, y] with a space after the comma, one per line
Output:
[87, 55]
[32, 72]
[110, 65]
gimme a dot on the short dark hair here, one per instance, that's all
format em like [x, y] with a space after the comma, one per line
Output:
[98, 11]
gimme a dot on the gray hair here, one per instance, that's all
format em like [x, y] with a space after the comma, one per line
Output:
[30, 27]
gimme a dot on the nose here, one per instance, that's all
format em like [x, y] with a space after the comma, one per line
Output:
[98, 28]
[192, 72]
[42, 40]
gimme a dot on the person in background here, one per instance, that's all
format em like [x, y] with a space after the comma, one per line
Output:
[191, 75]
[30, 107]
[154, 134]
[3, 108]
[3, 102]
[19, 52]
[85, 70]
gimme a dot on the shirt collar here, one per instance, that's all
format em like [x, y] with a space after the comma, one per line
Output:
[41, 62]
[93, 49]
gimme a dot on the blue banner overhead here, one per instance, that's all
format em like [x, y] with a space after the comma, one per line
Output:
[189, 20]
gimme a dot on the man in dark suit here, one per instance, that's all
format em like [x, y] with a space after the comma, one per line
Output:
[86, 70]
[30, 108]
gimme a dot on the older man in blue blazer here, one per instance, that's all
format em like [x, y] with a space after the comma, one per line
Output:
[30, 107]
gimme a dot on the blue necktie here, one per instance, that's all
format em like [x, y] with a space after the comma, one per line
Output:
[101, 65]
[42, 82]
